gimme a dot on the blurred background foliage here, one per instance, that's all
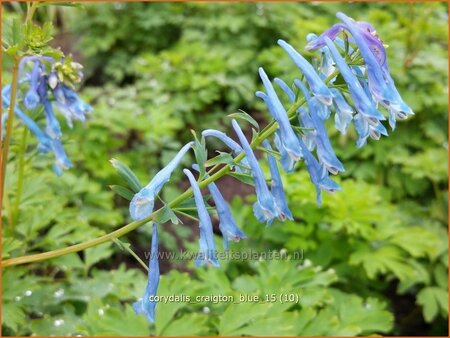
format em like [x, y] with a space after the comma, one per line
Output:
[375, 255]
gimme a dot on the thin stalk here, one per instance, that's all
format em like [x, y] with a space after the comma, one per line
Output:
[9, 124]
[20, 174]
[265, 133]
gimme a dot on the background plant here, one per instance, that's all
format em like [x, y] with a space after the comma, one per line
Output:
[384, 237]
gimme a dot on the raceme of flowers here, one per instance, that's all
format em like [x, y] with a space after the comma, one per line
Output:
[45, 87]
[368, 85]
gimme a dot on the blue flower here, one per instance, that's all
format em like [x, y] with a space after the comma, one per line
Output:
[53, 128]
[146, 306]
[326, 65]
[286, 89]
[344, 112]
[287, 162]
[227, 225]
[318, 88]
[62, 162]
[70, 104]
[45, 143]
[277, 186]
[142, 204]
[325, 151]
[230, 143]
[264, 209]
[381, 84]
[288, 137]
[318, 174]
[370, 117]
[31, 98]
[207, 251]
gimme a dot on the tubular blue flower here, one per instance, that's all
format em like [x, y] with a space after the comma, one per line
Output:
[277, 186]
[146, 306]
[344, 112]
[318, 87]
[326, 65]
[53, 128]
[45, 144]
[230, 143]
[309, 134]
[142, 204]
[324, 149]
[264, 209]
[319, 176]
[287, 134]
[62, 162]
[207, 250]
[287, 163]
[70, 104]
[31, 98]
[285, 88]
[381, 84]
[227, 225]
[363, 104]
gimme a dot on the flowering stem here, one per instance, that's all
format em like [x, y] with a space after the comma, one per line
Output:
[9, 124]
[212, 177]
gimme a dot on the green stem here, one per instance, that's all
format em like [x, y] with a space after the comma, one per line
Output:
[20, 174]
[9, 124]
[265, 133]
[31, 10]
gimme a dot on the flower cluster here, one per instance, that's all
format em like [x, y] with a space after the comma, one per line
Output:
[48, 81]
[301, 134]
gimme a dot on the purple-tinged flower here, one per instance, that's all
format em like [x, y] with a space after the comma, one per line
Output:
[62, 162]
[207, 250]
[277, 186]
[325, 151]
[31, 98]
[287, 134]
[318, 87]
[70, 104]
[227, 225]
[381, 84]
[318, 42]
[344, 112]
[317, 173]
[264, 209]
[142, 204]
[146, 306]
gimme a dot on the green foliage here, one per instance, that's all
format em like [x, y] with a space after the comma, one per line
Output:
[156, 71]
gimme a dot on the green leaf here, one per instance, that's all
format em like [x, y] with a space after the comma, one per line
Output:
[96, 254]
[247, 179]
[166, 214]
[122, 191]
[222, 158]
[201, 155]
[432, 300]
[246, 117]
[127, 174]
